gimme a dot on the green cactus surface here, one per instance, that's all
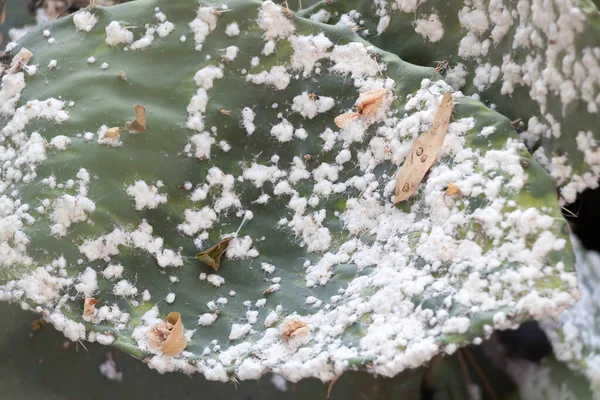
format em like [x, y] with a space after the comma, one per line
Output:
[321, 274]
[537, 62]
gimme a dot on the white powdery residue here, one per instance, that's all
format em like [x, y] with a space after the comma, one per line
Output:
[238, 331]
[113, 270]
[202, 143]
[145, 196]
[196, 220]
[273, 21]
[268, 268]
[41, 287]
[196, 110]
[276, 77]
[109, 368]
[248, 120]
[259, 174]
[124, 288]
[206, 76]
[353, 58]
[215, 280]
[84, 21]
[308, 50]
[470, 47]
[321, 16]
[116, 34]
[74, 331]
[165, 29]
[383, 24]
[457, 76]
[408, 6]
[474, 20]
[231, 53]
[145, 41]
[314, 235]
[50, 109]
[309, 106]
[10, 93]
[430, 28]
[87, 282]
[232, 29]
[207, 319]
[204, 23]
[501, 19]
[101, 338]
[283, 131]
[104, 246]
[240, 248]
[456, 325]
[60, 142]
[68, 209]
[170, 298]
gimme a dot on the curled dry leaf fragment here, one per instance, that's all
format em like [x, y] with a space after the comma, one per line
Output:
[22, 57]
[423, 152]
[112, 133]
[88, 306]
[292, 327]
[138, 125]
[212, 256]
[453, 190]
[168, 336]
[367, 106]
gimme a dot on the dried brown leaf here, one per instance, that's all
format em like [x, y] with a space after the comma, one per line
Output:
[370, 101]
[22, 57]
[212, 256]
[367, 106]
[168, 336]
[112, 133]
[176, 341]
[344, 120]
[424, 152]
[330, 386]
[292, 327]
[88, 306]
[138, 125]
[453, 190]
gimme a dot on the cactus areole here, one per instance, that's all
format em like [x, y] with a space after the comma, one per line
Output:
[211, 189]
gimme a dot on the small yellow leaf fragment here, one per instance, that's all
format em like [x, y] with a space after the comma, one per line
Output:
[292, 327]
[212, 255]
[330, 386]
[138, 125]
[22, 57]
[368, 104]
[88, 306]
[453, 190]
[112, 133]
[424, 152]
[344, 120]
[168, 336]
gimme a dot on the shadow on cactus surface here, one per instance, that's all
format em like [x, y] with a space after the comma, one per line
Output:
[321, 274]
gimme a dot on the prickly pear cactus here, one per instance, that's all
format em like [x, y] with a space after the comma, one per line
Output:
[574, 335]
[536, 61]
[174, 184]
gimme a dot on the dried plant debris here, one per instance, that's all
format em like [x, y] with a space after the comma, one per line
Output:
[423, 152]
[138, 125]
[168, 336]
[368, 104]
[212, 256]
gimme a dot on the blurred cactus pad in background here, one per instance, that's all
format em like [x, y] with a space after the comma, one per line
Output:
[225, 187]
